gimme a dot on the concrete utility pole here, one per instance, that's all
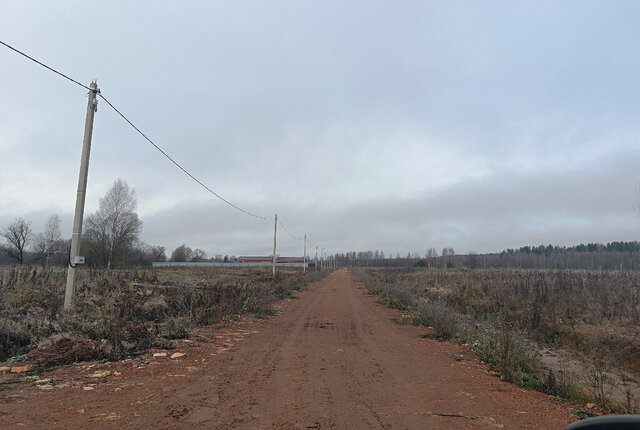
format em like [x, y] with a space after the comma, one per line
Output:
[275, 231]
[92, 105]
[304, 258]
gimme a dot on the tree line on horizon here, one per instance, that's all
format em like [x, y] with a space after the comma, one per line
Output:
[598, 256]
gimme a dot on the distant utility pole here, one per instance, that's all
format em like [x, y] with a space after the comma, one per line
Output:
[92, 105]
[275, 231]
[316, 258]
[304, 258]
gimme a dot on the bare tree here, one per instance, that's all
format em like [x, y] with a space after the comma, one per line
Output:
[157, 252]
[18, 235]
[182, 253]
[115, 227]
[50, 242]
[446, 260]
[199, 255]
[473, 260]
[143, 255]
[431, 256]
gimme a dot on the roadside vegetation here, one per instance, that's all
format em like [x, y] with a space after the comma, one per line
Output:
[571, 333]
[123, 312]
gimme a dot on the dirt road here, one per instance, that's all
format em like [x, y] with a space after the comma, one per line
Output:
[333, 359]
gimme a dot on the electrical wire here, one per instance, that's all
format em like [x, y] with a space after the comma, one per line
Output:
[185, 171]
[288, 232]
[177, 164]
[136, 129]
[44, 65]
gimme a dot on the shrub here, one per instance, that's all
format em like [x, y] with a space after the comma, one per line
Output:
[444, 319]
[396, 297]
[510, 352]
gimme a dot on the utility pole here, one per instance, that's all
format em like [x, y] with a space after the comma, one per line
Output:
[92, 105]
[304, 258]
[275, 230]
[316, 258]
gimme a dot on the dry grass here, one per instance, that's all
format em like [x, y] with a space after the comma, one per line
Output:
[121, 312]
[506, 315]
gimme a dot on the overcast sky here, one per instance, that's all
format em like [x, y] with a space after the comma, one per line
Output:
[397, 125]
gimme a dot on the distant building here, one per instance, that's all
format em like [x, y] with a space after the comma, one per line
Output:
[269, 259]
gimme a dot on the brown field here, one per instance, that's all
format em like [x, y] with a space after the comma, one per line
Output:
[570, 333]
[334, 358]
[331, 358]
[123, 312]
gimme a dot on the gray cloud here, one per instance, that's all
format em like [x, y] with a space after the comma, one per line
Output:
[381, 125]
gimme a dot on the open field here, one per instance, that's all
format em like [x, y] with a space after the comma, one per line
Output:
[333, 358]
[571, 333]
[123, 312]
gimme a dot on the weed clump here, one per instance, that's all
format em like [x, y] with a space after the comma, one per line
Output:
[444, 319]
[66, 349]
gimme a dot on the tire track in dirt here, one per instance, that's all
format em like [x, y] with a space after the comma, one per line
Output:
[334, 359]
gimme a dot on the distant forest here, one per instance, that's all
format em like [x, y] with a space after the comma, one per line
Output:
[594, 256]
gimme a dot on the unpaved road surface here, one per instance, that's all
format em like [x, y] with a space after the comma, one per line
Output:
[333, 359]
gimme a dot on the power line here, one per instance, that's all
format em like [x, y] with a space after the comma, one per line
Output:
[97, 92]
[138, 130]
[288, 232]
[177, 164]
[44, 65]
